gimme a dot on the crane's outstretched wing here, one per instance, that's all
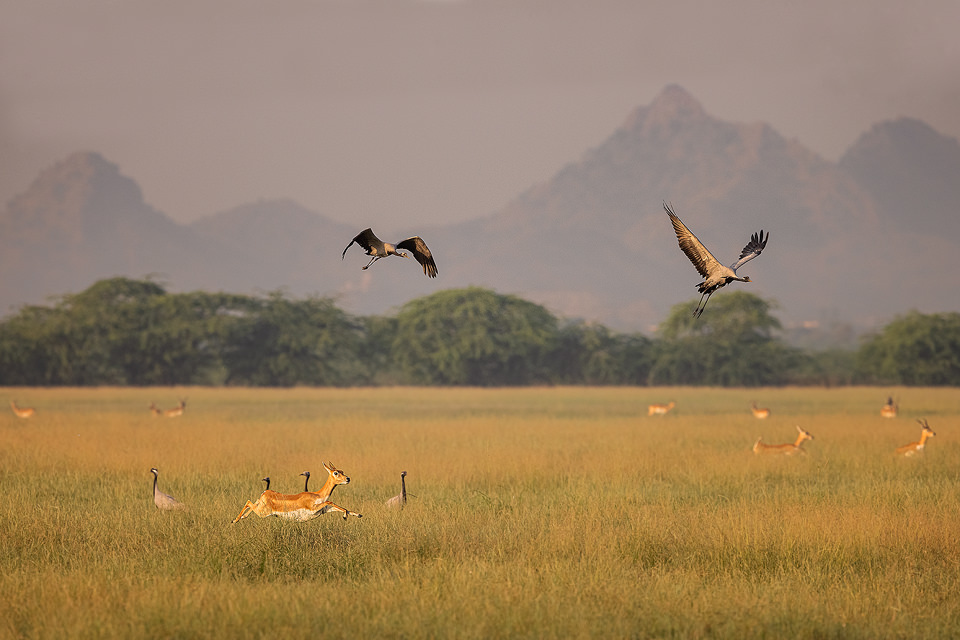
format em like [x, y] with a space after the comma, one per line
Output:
[699, 255]
[756, 245]
[418, 248]
[365, 239]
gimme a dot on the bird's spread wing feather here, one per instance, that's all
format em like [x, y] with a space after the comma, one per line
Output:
[364, 239]
[756, 245]
[418, 248]
[699, 255]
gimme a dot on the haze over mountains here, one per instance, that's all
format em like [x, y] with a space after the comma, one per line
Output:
[858, 241]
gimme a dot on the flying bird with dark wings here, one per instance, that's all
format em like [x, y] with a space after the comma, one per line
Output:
[374, 246]
[715, 274]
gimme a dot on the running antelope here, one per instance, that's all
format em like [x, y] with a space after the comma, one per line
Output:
[785, 449]
[917, 447]
[301, 506]
[177, 410]
[22, 412]
[889, 410]
[758, 412]
[155, 411]
[659, 409]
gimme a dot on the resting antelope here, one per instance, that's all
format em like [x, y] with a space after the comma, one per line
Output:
[758, 412]
[155, 410]
[301, 506]
[659, 409]
[22, 412]
[917, 447]
[889, 410]
[176, 411]
[785, 449]
[163, 501]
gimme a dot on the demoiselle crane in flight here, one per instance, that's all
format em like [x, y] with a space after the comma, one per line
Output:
[374, 246]
[715, 274]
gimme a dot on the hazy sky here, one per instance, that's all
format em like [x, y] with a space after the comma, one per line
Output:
[396, 113]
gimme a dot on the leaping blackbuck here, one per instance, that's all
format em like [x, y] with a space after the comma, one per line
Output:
[758, 412]
[301, 506]
[177, 410]
[22, 412]
[890, 409]
[660, 409]
[785, 449]
[155, 411]
[399, 501]
[163, 501]
[917, 447]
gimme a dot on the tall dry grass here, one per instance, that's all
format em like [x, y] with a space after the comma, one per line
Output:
[551, 513]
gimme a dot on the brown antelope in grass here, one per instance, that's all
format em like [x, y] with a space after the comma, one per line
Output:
[155, 411]
[785, 449]
[758, 412]
[917, 447]
[889, 410]
[660, 409]
[177, 410]
[22, 412]
[301, 506]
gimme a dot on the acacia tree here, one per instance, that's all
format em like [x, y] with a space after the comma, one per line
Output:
[473, 336]
[733, 344]
[915, 349]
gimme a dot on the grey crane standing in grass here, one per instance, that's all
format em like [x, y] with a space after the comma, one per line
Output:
[715, 274]
[163, 501]
[374, 246]
[306, 483]
[399, 501]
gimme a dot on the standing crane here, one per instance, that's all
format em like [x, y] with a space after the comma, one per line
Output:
[715, 274]
[374, 246]
[164, 501]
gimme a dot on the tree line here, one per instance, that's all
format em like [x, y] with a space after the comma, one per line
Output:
[133, 332]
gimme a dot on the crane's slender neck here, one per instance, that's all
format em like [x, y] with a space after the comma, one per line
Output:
[403, 487]
[154, 483]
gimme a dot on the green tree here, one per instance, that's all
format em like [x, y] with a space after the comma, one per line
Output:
[473, 336]
[589, 353]
[733, 344]
[277, 341]
[914, 349]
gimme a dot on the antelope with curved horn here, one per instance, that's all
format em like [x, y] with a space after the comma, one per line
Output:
[155, 411]
[660, 409]
[890, 409]
[758, 412]
[917, 447]
[300, 507]
[22, 412]
[785, 449]
[177, 411]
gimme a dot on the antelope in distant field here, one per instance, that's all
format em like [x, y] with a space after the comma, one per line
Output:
[890, 409]
[785, 449]
[177, 410]
[758, 412]
[155, 411]
[22, 412]
[660, 409]
[917, 447]
[301, 506]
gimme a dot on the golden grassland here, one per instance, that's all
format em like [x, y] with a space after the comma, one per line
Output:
[545, 513]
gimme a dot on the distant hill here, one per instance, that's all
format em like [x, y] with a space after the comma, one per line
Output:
[854, 241]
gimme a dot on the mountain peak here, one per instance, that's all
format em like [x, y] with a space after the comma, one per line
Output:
[674, 104]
